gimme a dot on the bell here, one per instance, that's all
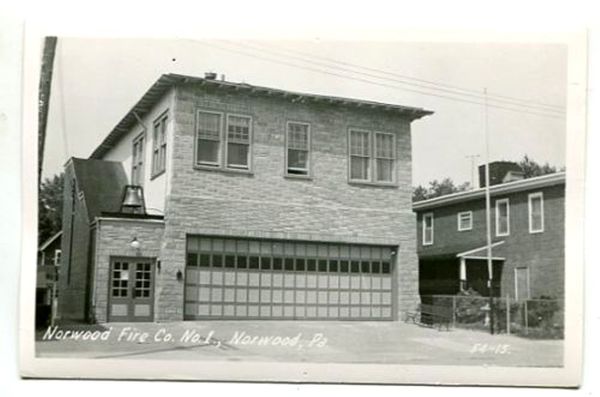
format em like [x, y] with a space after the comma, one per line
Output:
[132, 201]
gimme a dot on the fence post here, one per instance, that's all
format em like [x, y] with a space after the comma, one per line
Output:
[507, 314]
[453, 311]
[526, 318]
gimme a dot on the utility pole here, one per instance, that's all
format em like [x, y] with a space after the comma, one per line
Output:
[44, 97]
[488, 215]
[472, 157]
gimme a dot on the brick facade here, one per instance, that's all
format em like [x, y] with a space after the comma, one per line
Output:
[266, 204]
[113, 239]
[542, 253]
[262, 203]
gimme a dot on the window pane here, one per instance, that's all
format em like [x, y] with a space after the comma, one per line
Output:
[536, 214]
[238, 129]
[297, 161]
[208, 151]
[298, 136]
[502, 218]
[208, 126]
[384, 146]
[359, 168]
[359, 143]
[384, 170]
[237, 155]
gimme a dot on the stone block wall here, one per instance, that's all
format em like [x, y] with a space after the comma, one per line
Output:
[264, 203]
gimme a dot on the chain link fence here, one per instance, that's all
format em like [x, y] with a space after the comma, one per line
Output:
[541, 318]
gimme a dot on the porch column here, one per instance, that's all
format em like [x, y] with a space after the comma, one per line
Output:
[463, 273]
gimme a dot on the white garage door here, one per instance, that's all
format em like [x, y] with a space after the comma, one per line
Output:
[230, 278]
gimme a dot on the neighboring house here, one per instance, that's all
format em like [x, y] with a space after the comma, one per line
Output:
[213, 199]
[49, 258]
[528, 229]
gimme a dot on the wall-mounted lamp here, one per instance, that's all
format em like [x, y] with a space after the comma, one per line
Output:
[158, 265]
[179, 275]
[136, 245]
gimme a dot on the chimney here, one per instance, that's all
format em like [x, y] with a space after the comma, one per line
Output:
[210, 76]
[499, 171]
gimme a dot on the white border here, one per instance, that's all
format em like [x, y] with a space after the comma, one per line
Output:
[569, 375]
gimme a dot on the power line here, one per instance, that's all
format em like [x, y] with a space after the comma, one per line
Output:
[373, 82]
[446, 87]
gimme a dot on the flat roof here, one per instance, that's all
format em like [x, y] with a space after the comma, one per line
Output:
[166, 81]
[502, 188]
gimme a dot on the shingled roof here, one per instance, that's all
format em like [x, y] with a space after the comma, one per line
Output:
[102, 183]
[166, 81]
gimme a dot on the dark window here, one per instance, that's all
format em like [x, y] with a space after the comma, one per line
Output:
[300, 265]
[159, 145]
[289, 264]
[311, 265]
[298, 148]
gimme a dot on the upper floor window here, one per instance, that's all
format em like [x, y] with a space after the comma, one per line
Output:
[465, 220]
[137, 161]
[372, 156]
[297, 149]
[159, 145]
[238, 141]
[428, 228]
[536, 212]
[502, 217]
[215, 148]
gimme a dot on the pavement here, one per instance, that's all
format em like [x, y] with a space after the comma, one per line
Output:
[297, 341]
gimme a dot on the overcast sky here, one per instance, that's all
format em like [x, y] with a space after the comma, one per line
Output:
[96, 82]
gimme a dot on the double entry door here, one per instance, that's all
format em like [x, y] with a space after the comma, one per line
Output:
[131, 289]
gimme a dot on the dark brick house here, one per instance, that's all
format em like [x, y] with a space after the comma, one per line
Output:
[257, 203]
[527, 223]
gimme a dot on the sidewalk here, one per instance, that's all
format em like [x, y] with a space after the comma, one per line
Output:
[302, 341]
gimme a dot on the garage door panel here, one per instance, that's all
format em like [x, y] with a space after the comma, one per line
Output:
[236, 278]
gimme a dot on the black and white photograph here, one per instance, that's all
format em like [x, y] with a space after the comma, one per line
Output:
[264, 209]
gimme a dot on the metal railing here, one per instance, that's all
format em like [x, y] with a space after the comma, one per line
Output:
[534, 318]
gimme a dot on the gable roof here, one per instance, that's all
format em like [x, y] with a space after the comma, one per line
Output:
[503, 188]
[47, 243]
[166, 81]
[102, 183]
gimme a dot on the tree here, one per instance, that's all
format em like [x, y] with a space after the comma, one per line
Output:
[438, 188]
[532, 169]
[50, 201]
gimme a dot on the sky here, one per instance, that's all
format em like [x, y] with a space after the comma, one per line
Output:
[97, 81]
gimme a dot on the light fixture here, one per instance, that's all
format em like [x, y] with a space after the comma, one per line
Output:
[135, 244]
[179, 275]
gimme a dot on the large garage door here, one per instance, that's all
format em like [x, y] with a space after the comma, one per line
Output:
[230, 278]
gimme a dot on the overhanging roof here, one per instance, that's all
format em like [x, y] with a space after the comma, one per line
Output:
[50, 241]
[166, 81]
[503, 188]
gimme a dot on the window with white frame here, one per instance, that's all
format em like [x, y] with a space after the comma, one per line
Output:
[159, 145]
[384, 157]
[298, 149]
[465, 220]
[208, 138]
[372, 156]
[502, 217]
[427, 228]
[137, 161]
[57, 256]
[238, 141]
[223, 140]
[536, 212]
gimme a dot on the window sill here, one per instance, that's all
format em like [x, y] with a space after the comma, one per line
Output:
[223, 170]
[465, 230]
[157, 175]
[374, 184]
[298, 177]
[536, 231]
